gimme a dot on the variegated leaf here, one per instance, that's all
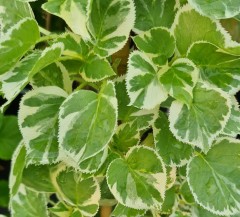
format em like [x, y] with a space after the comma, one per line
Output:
[11, 12]
[87, 123]
[169, 203]
[74, 12]
[180, 79]
[124, 211]
[158, 43]
[38, 121]
[61, 210]
[110, 22]
[214, 178]
[150, 14]
[221, 9]
[82, 193]
[173, 151]
[16, 42]
[171, 176]
[216, 66]
[142, 82]
[204, 120]
[139, 181]
[28, 203]
[17, 78]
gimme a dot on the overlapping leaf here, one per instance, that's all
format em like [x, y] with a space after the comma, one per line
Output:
[139, 180]
[203, 120]
[124, 211]
[38, 121]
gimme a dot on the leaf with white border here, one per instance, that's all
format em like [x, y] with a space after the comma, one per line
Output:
[139, 181]
[16, 42]
[220, 9]
[87, 122]
[179, 80]
[38, 121]
[172, 151]
[214, 178]
[216, 66]
[124, 211]
[110, 23]
[142, 82]
[158, 43]
[204, 120]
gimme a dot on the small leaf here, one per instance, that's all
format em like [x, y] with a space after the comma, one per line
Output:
[221, 9]
[186, 193]
[214, 178]
[169, 201]
[38, 121]
[124, 211]
[138, 181]
[61, 210]
[142, 82]
[200, 124]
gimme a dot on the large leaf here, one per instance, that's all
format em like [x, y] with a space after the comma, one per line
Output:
[169, 148]
[214, 178]
[28, 203]
[143, 82]
[216, 9]
[179, 80]
[154, 13]
[203, 121]
[139, 181]
[83, 193]
[74, 12]
[17, 78]
[38, 121]
[110, 22]
[216, 66]
[10, 137]
[16, 42]
[87, 123]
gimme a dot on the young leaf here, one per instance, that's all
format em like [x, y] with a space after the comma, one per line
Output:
[204, 120]
[61, 210]
[214, 178]
[216, 9]
[180, 79]
[186, 193]
[216, 66]
[87, 123]
[139, 181]
[124, 211]
[110, 22]
[16, 42]
[173, 152]
[142, 82]
[74, 12]
[38, 121]
[28, 203]
[150, 14]
[158, 43]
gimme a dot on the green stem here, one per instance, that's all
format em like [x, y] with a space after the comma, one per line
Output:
[44, 31]
[48, 37]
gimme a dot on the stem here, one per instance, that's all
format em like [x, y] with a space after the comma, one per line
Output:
[44, 31]
[48, 37]
[106, 211]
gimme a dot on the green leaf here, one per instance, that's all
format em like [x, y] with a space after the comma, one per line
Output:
[203, 29]
[150, 14]
[74, 12]
[143, 82]
[11, 12]
[17, 166]
[87, 123]
[221, 9]
[169, 201]
[110, 23]
[61, 210]
[83, 193]
[216, 66]
[139, 181]
[171, 176]
[214, 178]
[4, 197]
[124, 211]
[16, 42]
[173, 151]
[28, 203]
[38, 121]
[16, 79]
[204, 120]
[186, 193]
[180, 79]
[158, 43]
[38, 178]
[10, 137]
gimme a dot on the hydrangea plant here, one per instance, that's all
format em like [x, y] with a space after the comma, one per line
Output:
[159, 140]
